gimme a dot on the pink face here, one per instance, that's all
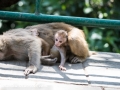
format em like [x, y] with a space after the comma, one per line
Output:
[59, 41]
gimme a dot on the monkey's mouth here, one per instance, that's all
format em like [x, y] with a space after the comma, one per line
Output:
[57, 45]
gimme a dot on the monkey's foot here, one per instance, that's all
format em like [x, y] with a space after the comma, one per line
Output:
[55, 60]
[52, 61]
[30, 69]
[62, 68]
[75, 59]
[92, 53]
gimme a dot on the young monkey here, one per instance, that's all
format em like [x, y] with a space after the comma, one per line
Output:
[59, 49]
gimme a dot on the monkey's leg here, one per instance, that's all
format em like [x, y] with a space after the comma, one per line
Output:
[71, 58]
[74, 59]
[34, 54]
[63, 58]
[45, 47]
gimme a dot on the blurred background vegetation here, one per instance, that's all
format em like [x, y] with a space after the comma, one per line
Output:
[99, 39]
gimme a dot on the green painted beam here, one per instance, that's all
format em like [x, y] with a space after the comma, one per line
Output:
[43, 18]
[37, 8]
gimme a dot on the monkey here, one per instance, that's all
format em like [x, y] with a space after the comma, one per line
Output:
[58, 50]
[76, 39]
[44, 46]
[19, 44]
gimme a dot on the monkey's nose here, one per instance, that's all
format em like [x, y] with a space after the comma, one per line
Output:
[57, 45]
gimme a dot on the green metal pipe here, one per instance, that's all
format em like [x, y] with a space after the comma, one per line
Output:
[43, 18]
[37, 9]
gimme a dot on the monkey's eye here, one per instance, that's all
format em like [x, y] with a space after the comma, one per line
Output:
[60, 41]
[56, 39]
[44, 33]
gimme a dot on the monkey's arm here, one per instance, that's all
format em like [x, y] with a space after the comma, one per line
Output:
[45, 47]
[63, 58]
[34, 54]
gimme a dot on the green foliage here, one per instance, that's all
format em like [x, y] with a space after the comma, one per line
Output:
[99, 39]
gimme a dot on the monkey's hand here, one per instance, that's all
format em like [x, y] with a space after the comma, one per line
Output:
[62, 68]
[30, 69]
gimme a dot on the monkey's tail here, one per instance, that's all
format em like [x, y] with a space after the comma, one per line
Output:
[92, 53]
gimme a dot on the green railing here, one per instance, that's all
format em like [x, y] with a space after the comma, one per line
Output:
[44, 18]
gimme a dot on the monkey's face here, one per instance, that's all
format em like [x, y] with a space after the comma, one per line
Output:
[60, 38]
[59, 41]
[34, 32]
[46, 35]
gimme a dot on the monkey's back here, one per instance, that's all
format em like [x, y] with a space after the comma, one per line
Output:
[18, 42]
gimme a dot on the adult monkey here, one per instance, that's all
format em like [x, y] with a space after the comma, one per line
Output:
[76, 39]
[18, 44]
